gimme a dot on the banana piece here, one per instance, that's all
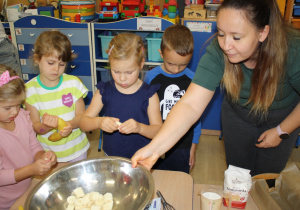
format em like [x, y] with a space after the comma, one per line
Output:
[96, 196]
[78, 192]
[79, 207]
[99, 202]
[107, 206]
[95, 207]
[71, 199]
[56, 136]
[61, 124]
[118, 123]
[108, 197]
[85, 200]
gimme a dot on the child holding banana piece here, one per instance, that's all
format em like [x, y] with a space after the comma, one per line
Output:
[21, 155]
[131, 107]
[55, 99]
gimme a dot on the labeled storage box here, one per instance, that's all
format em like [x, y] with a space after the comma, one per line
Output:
[105, 39]
[153, 42]
[195, 12]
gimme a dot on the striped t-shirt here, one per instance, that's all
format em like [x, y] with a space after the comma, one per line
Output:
[59, 101]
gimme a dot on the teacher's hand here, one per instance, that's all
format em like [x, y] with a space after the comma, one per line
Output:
[269, 139]
[146, 157]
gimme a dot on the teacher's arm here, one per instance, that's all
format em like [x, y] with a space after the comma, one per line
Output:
[182, 116]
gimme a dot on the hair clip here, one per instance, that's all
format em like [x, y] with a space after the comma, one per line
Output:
[5, 78]
[110, 49]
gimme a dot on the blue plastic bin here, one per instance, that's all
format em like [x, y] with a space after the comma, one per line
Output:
[104, 74]
[105, 39]
[153, 42]
[296, 10]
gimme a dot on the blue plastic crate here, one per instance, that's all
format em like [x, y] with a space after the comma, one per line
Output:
[297, 1]
[296, 10]
[104, 74]
[105, 39]
[153, 42]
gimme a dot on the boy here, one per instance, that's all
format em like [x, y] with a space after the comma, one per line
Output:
[176, 50]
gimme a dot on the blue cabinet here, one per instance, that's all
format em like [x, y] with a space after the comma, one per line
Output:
[29, 28]
[202, 32]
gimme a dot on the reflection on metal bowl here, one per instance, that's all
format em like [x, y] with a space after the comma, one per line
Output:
[132, 188]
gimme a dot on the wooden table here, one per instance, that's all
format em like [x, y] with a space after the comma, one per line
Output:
[177, 188]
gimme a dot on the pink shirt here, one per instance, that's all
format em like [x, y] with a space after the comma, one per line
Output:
[17, 149]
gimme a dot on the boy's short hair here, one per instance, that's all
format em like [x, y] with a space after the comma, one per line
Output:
[178, 38]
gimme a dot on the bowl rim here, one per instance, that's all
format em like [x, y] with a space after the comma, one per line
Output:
[148, 174]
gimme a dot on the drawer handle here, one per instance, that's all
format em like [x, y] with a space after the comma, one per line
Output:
[73, 66]
[70, 35]
[31, 34]
[32, 49]
[72, 51]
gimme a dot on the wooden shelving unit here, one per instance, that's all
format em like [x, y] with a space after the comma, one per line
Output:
[288, 15]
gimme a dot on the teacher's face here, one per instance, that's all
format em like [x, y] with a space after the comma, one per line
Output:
[237, 37]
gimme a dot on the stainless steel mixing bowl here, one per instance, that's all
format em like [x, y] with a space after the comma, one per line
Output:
[132, 188]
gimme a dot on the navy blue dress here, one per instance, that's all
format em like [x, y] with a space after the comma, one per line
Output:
[124, 107]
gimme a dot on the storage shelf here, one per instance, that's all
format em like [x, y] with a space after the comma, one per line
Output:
[147, 63]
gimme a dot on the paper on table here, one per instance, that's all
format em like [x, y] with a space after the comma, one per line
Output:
[285, 194]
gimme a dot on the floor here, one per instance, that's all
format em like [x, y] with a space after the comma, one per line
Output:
[210, 158]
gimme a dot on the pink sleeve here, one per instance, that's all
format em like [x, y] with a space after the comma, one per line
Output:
[6, 176]
[34, 143]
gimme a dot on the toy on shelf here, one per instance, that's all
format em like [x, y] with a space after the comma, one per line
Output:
[109, 10]
[132, 8]
[46, 7]
[86, 10]
[31, 4]
[170, 11]
[153, 10]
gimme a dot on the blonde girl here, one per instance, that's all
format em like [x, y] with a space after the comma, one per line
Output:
[131, 107]
[21, 155]
[54, 94]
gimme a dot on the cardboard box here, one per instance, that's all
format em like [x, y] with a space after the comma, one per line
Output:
[195, 12]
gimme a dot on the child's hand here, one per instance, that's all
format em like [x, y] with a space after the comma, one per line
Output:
[192, 156]
[49, 157]
[108, 124]
[130, 126]
[66, 131]
[40, 167]
[50, 120]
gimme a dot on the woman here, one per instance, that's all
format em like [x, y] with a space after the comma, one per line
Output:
[256, 59]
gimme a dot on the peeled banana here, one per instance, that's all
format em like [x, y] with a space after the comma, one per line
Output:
[56, 136]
